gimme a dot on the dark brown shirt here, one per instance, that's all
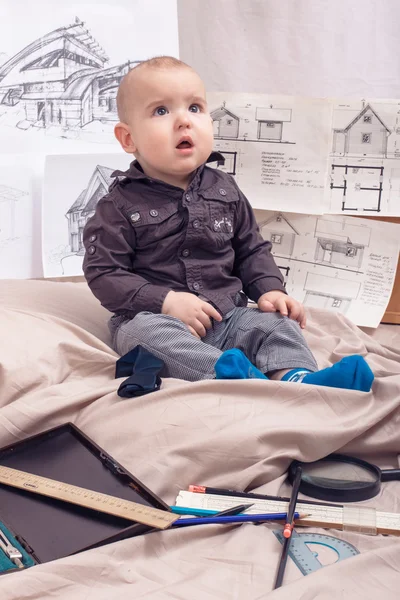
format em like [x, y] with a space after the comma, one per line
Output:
[148, 237]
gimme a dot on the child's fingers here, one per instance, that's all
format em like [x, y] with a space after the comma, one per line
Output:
[280, 305]
[266, 306]
[211, 311]
[193, 332]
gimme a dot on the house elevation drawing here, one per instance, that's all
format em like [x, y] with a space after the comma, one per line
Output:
[280, 232]
[266, 124]
[340, 243]
[330, 292]
[364, 134]
[61, 81]
[357, 187]
[270, 123]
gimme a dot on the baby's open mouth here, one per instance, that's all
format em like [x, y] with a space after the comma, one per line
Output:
[184, 144]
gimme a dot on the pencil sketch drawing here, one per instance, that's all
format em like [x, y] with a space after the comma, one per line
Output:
[280, 232]
[9, 197]
[359, 187]
[330, 292]
[61, 82]
[228, 165]
[84, 206]
[340, 244]
[365, 134]
[266, 124]
[270, 123]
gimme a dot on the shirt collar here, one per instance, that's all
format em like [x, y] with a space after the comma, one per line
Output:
[135, 171]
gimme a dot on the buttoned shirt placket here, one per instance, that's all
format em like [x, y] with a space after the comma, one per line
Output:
[194, 233]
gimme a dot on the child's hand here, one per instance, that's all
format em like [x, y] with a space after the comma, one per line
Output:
[278, 301]
[192, 311]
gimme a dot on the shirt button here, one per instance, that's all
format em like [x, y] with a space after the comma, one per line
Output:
[196, 224]
[185, 252]
[135, 217]
[196, 285]
[91, 249]
[222, 192]
[154, 213]
[188, 198]
[93, 238]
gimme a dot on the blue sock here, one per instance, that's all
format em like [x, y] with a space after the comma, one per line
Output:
[350, 373]
[233, 364]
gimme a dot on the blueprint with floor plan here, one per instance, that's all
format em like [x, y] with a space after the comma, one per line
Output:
[311, 155]
[343, 264]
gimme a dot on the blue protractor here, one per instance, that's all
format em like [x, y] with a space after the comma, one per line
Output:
[306, 559]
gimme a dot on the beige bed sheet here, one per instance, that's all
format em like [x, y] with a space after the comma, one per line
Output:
[56, 366]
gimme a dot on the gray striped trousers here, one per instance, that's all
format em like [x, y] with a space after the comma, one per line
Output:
[269, 340]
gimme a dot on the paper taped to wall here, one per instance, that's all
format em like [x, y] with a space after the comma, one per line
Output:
[343, 264]
[311, 155]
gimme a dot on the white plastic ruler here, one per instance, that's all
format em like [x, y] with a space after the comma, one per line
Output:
[359, 518]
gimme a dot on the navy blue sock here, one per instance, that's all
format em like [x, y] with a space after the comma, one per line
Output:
[350, 373]
[233, 364]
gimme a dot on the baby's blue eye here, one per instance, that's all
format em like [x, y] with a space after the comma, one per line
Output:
[194, 108]
[160, 111]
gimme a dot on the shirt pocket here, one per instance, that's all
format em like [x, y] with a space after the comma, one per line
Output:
[152, 225]
[221, 221]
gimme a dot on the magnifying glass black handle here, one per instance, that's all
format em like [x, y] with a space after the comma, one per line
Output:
[390, 475]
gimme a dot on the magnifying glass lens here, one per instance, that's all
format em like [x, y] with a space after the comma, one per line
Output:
[337, 475]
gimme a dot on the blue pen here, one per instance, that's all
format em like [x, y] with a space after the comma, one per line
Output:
[233, 519]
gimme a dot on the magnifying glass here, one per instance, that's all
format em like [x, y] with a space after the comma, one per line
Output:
[341, 478]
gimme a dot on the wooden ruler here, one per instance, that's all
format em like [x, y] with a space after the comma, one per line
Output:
[324, 515]
[133, 511]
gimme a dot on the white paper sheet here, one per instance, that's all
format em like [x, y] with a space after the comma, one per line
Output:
[364, 165]
[312, 156]
[60, 66]
[342, 264]
[16, 220]
[275, 146]
[72, 183]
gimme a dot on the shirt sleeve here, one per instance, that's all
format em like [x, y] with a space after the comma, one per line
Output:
[109, 242]
[254, 264]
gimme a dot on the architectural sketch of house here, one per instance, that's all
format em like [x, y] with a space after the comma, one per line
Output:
[281, 233]
[330, 292]
[365, 134]
[61, 81]
[9, 196]
[84, 206]
[340, 243]
[256, 124]
[225, 123]
[359, 186]
[270, 122]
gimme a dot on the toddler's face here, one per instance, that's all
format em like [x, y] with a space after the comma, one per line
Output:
[169, 123]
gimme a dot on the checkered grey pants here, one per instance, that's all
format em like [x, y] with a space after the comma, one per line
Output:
[269, 340]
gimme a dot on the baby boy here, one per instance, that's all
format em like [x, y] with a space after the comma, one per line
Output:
[174, 251]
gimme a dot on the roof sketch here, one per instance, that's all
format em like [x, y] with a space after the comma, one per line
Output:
[364, 134]
[85, 204]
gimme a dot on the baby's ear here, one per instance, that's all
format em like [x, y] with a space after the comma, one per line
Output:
[123, 134]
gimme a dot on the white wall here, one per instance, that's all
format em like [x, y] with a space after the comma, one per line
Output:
[304, 47]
